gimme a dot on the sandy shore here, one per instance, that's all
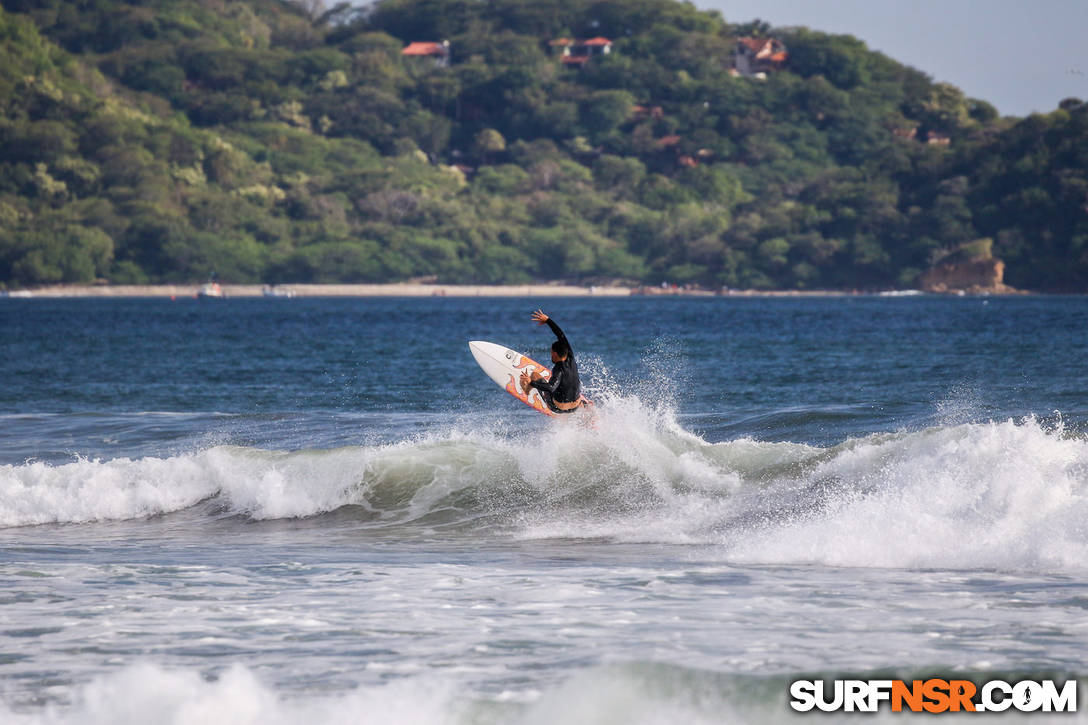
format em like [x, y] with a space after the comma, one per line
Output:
[411, 289]
[395, 290]
[328, 290]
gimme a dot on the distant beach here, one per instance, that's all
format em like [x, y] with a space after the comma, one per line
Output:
[407, 289]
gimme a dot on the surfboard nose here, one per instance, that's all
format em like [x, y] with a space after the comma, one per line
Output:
[505, 367]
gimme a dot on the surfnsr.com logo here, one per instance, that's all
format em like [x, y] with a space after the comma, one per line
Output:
[933, 696]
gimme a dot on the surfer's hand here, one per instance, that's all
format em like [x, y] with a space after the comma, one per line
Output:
[525, 380]
[540, 317]
[535, 376]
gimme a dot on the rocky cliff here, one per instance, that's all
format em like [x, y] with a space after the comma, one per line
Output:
[974, 276]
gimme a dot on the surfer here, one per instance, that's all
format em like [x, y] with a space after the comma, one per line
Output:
[563, 390]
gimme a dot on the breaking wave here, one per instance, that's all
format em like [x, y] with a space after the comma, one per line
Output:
[1003, 495]
[635, 693]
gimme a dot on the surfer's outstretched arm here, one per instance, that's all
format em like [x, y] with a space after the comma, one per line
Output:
[542, 319]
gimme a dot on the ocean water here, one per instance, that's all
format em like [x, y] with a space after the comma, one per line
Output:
[318, 510]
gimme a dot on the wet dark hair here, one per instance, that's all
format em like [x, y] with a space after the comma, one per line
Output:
[561, 349]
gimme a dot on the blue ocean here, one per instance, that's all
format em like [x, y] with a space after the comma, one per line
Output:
[319, 510]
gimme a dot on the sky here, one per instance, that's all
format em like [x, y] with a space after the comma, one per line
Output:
[1022, 56]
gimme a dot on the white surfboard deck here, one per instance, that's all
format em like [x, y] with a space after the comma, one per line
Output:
[505, 367]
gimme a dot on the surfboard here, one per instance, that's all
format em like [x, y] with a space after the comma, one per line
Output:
[505, 367]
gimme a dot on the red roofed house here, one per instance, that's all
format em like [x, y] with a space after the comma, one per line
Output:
[576, 53]
[439, 52]
[758, 55]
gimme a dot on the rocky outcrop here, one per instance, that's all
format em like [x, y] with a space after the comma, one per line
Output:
[973, 276]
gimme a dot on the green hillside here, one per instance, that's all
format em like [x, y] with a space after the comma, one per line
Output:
[265, 141]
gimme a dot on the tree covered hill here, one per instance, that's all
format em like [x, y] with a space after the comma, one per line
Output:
[170, 140]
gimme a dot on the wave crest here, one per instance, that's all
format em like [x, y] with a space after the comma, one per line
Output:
[1000, 495]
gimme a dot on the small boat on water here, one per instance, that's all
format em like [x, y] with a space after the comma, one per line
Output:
[210, 290]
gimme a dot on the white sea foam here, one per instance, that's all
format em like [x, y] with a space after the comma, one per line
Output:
[147, 693]
[1004, 495]
[631, 694]
[1008, 495]
[997, 495]
[39, 493]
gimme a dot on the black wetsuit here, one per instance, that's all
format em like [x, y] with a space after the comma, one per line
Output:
[563, 386]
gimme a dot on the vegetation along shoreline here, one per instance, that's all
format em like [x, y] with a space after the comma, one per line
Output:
[266, 142]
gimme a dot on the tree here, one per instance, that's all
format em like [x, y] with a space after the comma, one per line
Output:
[841, 59]
[603, 111]
[487, 144]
